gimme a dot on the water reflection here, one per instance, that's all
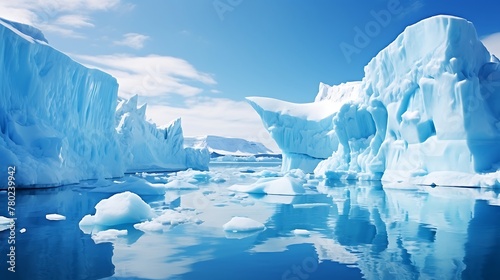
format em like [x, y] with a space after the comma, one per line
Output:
[353, 231]
[54, 249]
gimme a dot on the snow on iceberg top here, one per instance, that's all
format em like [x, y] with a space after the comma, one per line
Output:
[428, 48]
[28, 32]
[227, 146]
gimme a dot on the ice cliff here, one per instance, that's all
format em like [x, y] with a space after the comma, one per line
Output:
[426, 112]
[58, 122]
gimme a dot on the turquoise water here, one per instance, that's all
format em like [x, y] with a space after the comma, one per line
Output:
[355, 231]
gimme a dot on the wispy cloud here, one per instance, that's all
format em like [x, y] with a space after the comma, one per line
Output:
[414, 7]
[216, 116]
[492, 43]
[64, 17]
[76, 21]
[132, 40]
[151, 75]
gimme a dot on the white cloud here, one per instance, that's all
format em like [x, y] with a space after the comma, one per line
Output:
[492, 43]
[132, 40]
[57, 16]
[76, 21]
[215, 116]
[152, 75]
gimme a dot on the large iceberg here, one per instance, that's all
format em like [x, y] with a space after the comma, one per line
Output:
[426, 112]
[59, 121]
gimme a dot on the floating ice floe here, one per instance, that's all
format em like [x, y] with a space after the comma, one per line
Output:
[55, 217]
[109, 235]
[301, 232]
[168, 218]
[243, 224]
[121, 208]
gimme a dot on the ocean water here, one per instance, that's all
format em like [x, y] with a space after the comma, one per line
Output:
[350, 230]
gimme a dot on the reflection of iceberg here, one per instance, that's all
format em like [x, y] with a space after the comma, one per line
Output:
[393, 234]
[425, 233]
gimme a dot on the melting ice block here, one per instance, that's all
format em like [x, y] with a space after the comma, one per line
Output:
[429, 102]
[55, 217]
[122, 208]
[243, 224]
[109, 235]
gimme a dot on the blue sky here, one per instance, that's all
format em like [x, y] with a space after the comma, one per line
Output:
[199, 59]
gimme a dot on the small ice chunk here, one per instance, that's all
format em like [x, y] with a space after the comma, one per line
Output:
[238, 224]
[55, 217]
[301, 232]
[121, 208]
[168, 217]
[109, 235]
[23, 230]
[173, 217]
[149, 226]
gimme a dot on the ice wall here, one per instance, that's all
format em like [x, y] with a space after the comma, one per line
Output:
[427, 109]
[56, 116]
[149, 148]
[58, 124]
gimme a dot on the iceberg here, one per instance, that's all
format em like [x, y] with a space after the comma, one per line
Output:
[60, 123]
[426, 112]
[119, 209]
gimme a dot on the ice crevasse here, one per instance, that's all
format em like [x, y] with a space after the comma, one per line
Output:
[426, 112]
[59, 121]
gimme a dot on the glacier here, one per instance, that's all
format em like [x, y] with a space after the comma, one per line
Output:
[426, 112]
[219, 146]
[61, 122]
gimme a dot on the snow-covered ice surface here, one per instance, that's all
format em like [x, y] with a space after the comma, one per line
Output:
[60, 123]
[119, 209]
[349, 229]
[426, 112]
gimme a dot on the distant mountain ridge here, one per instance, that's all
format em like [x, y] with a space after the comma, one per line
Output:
[218, 145]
